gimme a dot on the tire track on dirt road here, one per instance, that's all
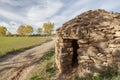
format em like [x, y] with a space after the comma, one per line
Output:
[19, 66]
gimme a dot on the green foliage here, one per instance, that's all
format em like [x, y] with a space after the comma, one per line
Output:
[37, 78]
[27, 30]
[39, 30]
[20, 29]
[3, 31]
[112, 73]
[48, 28]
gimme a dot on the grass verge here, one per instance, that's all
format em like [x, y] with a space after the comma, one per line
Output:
[45, 69]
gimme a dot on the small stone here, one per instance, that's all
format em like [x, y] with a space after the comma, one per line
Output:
[108, 50]
[117, 27]
[109, 55]
[112, 46]
[98, 66]
[103, 45]
[117, 33]
[82, 41]
[116, 53]
[105, 64]
[96, 74]
[92, 51]
[84, 57]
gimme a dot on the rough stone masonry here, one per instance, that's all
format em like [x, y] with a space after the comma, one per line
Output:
[88, 44]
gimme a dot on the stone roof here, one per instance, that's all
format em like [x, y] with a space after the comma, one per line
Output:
[92, 23]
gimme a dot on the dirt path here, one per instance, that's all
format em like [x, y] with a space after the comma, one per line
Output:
[18, 67]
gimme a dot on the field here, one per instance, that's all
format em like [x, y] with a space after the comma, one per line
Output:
[12, 44]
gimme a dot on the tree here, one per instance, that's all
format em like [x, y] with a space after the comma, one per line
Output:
[20, 29]
[39, 30]
[9, 33]
[48, 28]
[3, 31]
[28, 30]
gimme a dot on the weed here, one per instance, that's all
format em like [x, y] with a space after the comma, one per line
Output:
[45, 69]
[112, 73]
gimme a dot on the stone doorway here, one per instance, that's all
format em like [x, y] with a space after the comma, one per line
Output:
[75, 47]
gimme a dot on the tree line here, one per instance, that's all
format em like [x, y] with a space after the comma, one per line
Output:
[47, 29]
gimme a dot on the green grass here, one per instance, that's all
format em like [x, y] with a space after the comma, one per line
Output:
[12, 44]
[44, 70]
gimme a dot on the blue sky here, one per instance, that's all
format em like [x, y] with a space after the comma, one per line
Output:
[35, 12]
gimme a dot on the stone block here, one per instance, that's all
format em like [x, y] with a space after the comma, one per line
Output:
[82, 41]
[116, 53]
[117, 27]
[92, 51]
[117, 33]
[112, 46]
[84, 57]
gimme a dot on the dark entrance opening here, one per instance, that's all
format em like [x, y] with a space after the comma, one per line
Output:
[75, 55]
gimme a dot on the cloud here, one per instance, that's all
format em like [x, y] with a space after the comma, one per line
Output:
[110, 4]
[17, 2]
[69, 12]
[5, 1]
[12, 26]
[44, 11]
[12, 16]
[36, 12]
[80, 6]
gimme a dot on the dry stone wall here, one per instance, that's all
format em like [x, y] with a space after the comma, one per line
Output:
[97, 33]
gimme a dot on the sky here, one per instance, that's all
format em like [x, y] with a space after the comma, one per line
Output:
[35, 12]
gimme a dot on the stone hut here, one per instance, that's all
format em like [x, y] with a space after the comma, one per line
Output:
[88, 44]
